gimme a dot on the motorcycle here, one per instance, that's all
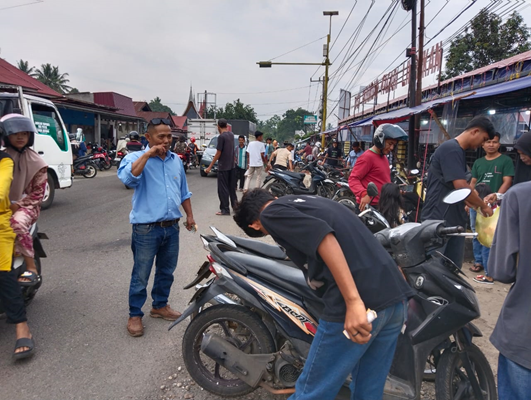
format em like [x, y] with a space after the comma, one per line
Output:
[101, 157]
[182, 156]
[19, 265]
[85, 166]
[281, 183]
[253, 322]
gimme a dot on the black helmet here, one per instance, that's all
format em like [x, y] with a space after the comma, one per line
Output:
[72, 136]
[182, 138]
[12, 124]
[388, 131]
[133, 135]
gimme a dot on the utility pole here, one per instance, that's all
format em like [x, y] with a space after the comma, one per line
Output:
[420, 75]
[412, 86]
[325, 82]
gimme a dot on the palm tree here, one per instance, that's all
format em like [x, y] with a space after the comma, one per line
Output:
[24, 67]
[50, 76]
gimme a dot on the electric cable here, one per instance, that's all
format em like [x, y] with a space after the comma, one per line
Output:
[298, 48]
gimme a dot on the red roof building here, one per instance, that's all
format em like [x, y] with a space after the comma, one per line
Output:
[123, 103]
[11, 75]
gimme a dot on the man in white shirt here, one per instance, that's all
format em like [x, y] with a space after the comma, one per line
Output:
[256, 159]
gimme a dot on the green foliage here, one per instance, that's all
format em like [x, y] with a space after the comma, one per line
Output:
[489, 41]
[234, 110]
[74, 91]
[157, 106]
[24, 67]
[283, 128]
[53, 78]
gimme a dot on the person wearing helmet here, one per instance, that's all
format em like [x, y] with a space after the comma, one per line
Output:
[316, 150]
[193, 150]
[27, 190]
[180, 146]
[333, 155]
[10, 293]
[134, 144]
[373, 165]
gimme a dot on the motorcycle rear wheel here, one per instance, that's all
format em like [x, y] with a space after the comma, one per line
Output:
[107, 164]
[90, 171]
[277, 188]
[452, 382]
[349, 201]
[240, 327]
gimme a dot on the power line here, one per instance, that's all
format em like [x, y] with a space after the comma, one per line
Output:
[344, 23]
[265, 92]
[298, 48]
[22, 5]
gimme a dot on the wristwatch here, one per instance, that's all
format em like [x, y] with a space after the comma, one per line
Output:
[499, 196]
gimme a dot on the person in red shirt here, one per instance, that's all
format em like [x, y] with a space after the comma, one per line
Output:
[373, 166]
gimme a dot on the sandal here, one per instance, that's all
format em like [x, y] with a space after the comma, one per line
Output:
[24, 342]
[484, 279]
[221, 213]
[32, 276]
[476, 268]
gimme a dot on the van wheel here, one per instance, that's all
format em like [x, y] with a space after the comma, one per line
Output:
[49, 193]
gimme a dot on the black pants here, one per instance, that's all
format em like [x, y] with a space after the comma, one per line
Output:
[11, 297]
[281, 167]
[240, 176]
[455, 250]
[226, 190]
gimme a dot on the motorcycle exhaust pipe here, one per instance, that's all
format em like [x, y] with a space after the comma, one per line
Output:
[250, 368]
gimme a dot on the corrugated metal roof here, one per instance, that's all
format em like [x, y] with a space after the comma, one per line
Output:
[179, 122]
[11, 75]
[141, 106]
[123, 103]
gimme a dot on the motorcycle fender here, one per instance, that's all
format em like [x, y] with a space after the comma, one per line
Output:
[37, 247]
[473, 330]
[200, 298]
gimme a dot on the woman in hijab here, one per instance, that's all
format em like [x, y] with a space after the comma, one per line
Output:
[523, 163]
[10, 293]
[27, 189]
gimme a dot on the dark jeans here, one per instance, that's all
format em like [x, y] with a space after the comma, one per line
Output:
[226, 190]
[240, 176]
[514, 380]
[11, 297]
[152, 243]
[481, 253]
[455, 250]
[333, 357]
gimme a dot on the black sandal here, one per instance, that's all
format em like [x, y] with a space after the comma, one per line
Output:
[476, 268]
[24, 342]
[32, 276]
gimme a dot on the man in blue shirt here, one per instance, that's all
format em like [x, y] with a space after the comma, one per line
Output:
[158, 177]
[354, 154]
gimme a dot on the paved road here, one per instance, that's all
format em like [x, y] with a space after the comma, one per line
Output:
[79, 315]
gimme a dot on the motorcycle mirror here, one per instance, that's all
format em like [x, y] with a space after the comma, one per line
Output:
[204, 146]
[457, 196]
[372, 189]
[414, 172]
[419, 164]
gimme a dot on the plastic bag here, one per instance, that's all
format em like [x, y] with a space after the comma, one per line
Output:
[486, 226]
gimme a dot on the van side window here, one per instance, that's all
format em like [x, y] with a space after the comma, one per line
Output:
[47, 123]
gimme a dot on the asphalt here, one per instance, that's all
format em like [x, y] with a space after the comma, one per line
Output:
[79, 315]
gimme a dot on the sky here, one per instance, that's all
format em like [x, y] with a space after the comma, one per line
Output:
[143, 49]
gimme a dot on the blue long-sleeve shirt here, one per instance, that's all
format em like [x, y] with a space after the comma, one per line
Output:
[159, 190]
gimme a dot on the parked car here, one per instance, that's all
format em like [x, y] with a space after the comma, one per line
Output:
[208, 154]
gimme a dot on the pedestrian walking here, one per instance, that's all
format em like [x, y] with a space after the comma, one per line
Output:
[448, 172]
[257, 160]
[241, 161]
[226, 176]
[495, 170]
[510, 262]
[330, 246]
[269, 149]
[159, 180]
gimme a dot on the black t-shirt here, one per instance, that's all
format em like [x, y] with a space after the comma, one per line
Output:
[333, 154]
[448, 164]
[300, 223]
[226, 146]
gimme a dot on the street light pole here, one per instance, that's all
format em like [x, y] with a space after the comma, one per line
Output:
[325, 82]
[412, 87]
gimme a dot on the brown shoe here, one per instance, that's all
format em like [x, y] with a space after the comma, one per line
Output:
[135, 327]
[165, 313]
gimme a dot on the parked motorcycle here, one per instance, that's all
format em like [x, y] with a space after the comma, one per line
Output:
[101, 157]
[253, 322]
[280, 183]
[19, 266]
[85, 166]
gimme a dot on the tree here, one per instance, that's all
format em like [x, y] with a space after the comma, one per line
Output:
[24, 67]
[50, 76]
[269, 127]
[234, 110]
[488, 41]
[292, 120]
[156, 105]
[73, 91]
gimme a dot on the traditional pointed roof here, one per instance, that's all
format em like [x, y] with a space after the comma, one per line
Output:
[191, 97]
[191, 111]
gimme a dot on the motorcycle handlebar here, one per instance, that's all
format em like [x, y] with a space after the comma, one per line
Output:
[450, 230]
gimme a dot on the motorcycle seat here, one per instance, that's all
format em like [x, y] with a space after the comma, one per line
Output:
[256, 246]
[282, 274]
[297, 175]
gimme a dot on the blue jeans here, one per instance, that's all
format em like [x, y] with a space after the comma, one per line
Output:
[481, 253]
[514, 381]
[333, 357]
[152, 243]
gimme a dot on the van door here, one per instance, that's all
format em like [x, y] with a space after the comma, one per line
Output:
[52, 142]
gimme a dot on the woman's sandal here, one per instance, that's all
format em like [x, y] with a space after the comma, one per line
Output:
[24, 342]
[476, 268]
[32, 276]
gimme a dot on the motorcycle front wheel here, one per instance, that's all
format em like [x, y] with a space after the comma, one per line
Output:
[349, 201]
[90, 171]
[240, 327]
[107, 164]
[452, 381]
[277, 188]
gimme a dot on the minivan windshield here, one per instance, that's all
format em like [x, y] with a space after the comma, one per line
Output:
[214, 142]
